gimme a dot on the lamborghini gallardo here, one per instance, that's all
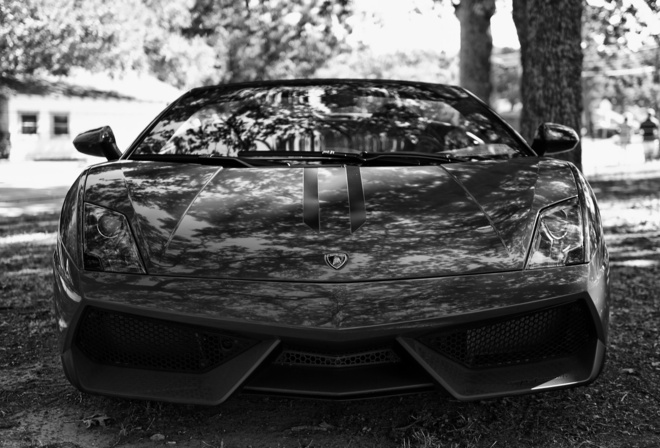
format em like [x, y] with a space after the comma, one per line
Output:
[331, 239]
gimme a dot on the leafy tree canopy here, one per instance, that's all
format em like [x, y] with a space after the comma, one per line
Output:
[184, 42]
[621, 53]
[54, 35]
[259, 39]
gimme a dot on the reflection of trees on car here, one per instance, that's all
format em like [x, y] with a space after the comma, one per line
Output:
[327, 118]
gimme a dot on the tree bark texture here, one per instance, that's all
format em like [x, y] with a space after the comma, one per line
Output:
[476, 46]
[551, 57]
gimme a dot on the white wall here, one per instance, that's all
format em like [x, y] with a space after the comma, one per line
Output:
[126, 117]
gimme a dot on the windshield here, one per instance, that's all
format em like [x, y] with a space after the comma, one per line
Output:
[364, 117]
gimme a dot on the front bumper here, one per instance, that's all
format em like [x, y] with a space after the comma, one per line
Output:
[191, 341]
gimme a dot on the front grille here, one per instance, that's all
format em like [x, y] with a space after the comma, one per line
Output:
[127, 340]
[551, 333]
[358, 358]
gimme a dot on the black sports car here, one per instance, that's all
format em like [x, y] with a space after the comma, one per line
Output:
[333, 239]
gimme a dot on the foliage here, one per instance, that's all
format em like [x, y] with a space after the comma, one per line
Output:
[54, 35]
[620, 59]
[184, 42]
[169, 53]
[261, 39]
[620, 55]
[425, 66]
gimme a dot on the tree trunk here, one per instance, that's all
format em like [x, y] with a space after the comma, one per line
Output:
[551, 56]
[476, 46]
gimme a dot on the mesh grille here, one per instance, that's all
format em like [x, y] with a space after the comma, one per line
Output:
[547, 334]
[138, 342]
[305, 357]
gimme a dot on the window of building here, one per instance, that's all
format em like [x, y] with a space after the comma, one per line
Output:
[28, 123]
[60, 125]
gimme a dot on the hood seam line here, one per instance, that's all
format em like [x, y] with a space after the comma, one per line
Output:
[185, 212]
[473, 199]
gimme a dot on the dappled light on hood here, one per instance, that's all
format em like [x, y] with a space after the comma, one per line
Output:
[421, 221]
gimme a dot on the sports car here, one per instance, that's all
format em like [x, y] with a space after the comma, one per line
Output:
[330, 239]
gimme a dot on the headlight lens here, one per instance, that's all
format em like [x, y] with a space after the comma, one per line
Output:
[558, 237]
[109, 245]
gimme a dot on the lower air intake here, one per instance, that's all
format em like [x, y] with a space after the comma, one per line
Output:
[368, 357]
[551, 333]
[126, 340]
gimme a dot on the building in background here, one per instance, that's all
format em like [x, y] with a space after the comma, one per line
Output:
[39, 117]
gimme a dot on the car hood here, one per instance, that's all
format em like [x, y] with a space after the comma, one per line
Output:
[292, 223]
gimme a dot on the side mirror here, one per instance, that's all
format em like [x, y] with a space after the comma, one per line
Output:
[98, 142]
[552, 138]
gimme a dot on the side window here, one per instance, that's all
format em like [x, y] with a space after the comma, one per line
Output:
[29, 123]
[60, 124]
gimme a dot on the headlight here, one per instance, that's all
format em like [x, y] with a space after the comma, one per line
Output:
[108, 243]
[558, 237]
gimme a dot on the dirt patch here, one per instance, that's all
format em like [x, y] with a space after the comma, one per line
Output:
[38, 407]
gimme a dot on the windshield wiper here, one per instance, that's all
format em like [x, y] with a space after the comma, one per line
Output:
[227, 162]
[302, 155]
[413, 158]
[253, 159]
